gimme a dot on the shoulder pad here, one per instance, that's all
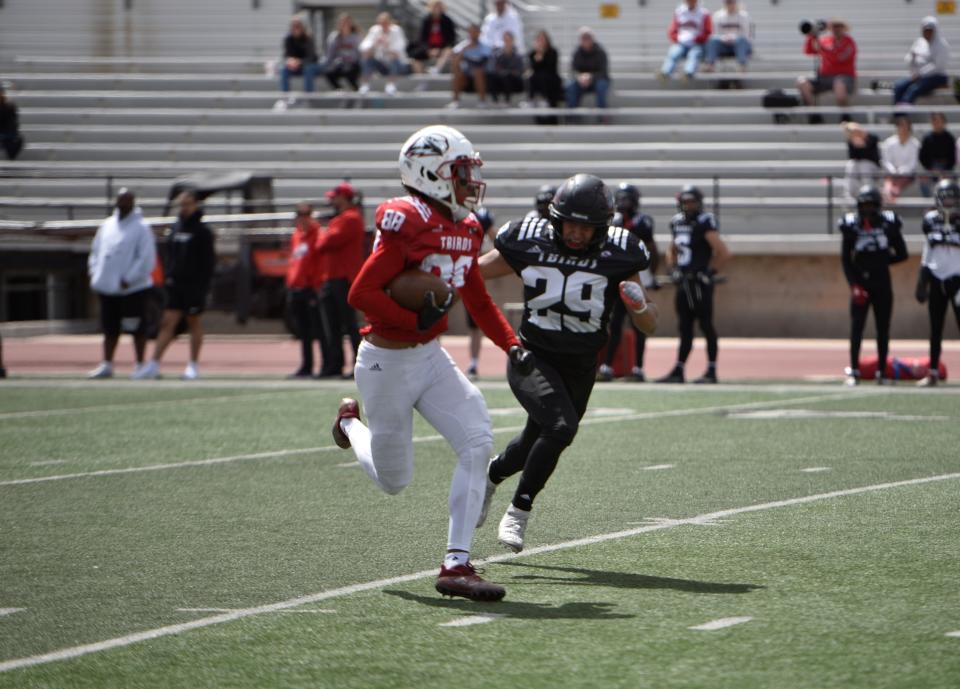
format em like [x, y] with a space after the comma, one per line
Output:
[890, 216]
[618, 237]
[707, 219]
[404, 213]
[533, 228]
[932, 216]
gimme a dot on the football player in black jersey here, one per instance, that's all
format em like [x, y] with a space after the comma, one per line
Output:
[697, 253]
[575, 267]
[627, 202]
[939, 282]
[541, 202]
[872, 242]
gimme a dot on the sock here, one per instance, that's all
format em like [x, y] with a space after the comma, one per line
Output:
[679, 366]
[455, 559]
[360, 444]
[712, 367]
[473, 363]
[523, 502]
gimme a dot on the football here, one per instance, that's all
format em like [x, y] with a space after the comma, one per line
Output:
[409, 288]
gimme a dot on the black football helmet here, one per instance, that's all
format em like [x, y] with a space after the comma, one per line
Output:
[543, 198]
[627, 199]
[690, 193]
[947, 195]
[869, 202]
[585, 199]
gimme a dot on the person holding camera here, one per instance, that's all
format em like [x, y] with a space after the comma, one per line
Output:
[837, 69]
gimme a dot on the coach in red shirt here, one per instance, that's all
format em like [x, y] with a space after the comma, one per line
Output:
[341, 249]
[837, 72]
[303, 279]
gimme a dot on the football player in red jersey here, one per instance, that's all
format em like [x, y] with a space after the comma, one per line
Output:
[401, 365]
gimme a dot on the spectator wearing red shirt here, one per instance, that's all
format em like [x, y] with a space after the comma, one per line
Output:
[689, 30]
[837, 71]
[341, 249]
[303, 278]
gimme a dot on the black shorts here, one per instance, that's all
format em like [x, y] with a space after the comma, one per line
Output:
[187, 298]
[124, 313]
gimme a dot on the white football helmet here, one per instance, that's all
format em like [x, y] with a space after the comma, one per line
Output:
[439, 162]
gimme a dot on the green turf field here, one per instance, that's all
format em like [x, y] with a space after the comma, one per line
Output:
[178, 535]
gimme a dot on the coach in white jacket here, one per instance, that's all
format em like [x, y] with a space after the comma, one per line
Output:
[121, 260]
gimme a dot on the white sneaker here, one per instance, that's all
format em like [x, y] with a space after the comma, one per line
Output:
[391, 89]
[104, 370]
[512, 526]
[851, 378]
[487, 496]
[364, 89]
[191, 372]
[280, 105]
[149, 371]
[453, 105]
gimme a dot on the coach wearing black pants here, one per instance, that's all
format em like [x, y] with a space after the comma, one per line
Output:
[696, 254]
[939, 282]
[872, 242]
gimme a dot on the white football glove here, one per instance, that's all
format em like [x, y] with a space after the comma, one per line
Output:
[633, 296]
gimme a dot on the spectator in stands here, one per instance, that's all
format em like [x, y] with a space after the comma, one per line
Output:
[928, 58]
[499, 22]
[863, 159]
[10, 137]
[342, 60]
[121, 259]
[938, 152]
[302, 284]
[900, 155]
[731, 37]
[470, 58]
[690, 28]
[837, 72]
[188, 269]
[438, 35]
[384, 50]
[299, 57]
[505, 70]
[590, 71]
[341, 250]
[546, 86]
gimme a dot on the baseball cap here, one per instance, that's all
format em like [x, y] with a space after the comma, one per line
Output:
[344, 188]
[929, 22]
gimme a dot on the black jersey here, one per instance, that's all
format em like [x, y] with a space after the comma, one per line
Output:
[690, 240]
[867, 251]
[567, 299]
[942, 251]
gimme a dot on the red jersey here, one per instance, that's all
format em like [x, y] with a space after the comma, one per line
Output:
[837, 58]
[340, 246]
[411, 234]
[302, 268]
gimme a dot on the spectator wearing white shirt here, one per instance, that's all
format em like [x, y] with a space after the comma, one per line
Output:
[690, 28]
[928, 58]
[731, 36]
[503, 19]
[122, 257]
[384, 50]
[900, 155]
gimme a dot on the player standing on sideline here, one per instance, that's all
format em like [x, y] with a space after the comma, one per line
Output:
[939, 279]
[628, 215]
[574, 268]
[871, 243]
[541, 202]
[697, 253]
[401, 365]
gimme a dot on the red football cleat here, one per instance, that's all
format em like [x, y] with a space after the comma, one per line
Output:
[464, 581]
[349, 409]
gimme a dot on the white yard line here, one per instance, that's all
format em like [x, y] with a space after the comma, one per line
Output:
[657, 467]
[10, 611]
[312, 611]
[687, 411]
[722, 623]
[470, 620]
[954, 634]
[129, 639]
[815, 470]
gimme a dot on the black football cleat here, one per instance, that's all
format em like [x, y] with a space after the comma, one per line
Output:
[675, 376]
[349, 409]
[464, 581]
[708, 378]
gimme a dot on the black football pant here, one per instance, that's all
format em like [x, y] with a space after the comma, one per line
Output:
[942, 293]
[339, 319]
[304, 307]
[616, 333]
[555, 397]
[880, 297]
[694, 302]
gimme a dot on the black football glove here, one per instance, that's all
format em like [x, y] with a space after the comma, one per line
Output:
[431, 313]
[706, 276]
[676, 276]
[521, 359]
[923, 285]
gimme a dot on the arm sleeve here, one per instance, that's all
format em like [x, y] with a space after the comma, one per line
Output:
[338, 234]
[951, 154]
[808, 47]
[367, 292]
[94, 254]
[484, 312]
[145, 257]
[209, 257]
[926, 152]
[706, 30]
[846, 256]
[368, 40]
[898, 247]
[672, 31]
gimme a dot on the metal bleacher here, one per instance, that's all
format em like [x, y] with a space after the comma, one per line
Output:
[144, 94]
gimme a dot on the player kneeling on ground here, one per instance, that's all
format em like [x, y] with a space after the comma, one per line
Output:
[401, 365]
[574, 268]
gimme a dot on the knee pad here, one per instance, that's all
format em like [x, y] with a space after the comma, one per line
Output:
[393, 482]
[563, 431]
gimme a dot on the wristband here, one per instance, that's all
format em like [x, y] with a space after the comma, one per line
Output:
[646, 306]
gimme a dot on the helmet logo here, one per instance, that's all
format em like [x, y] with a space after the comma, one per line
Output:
[429, 145]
